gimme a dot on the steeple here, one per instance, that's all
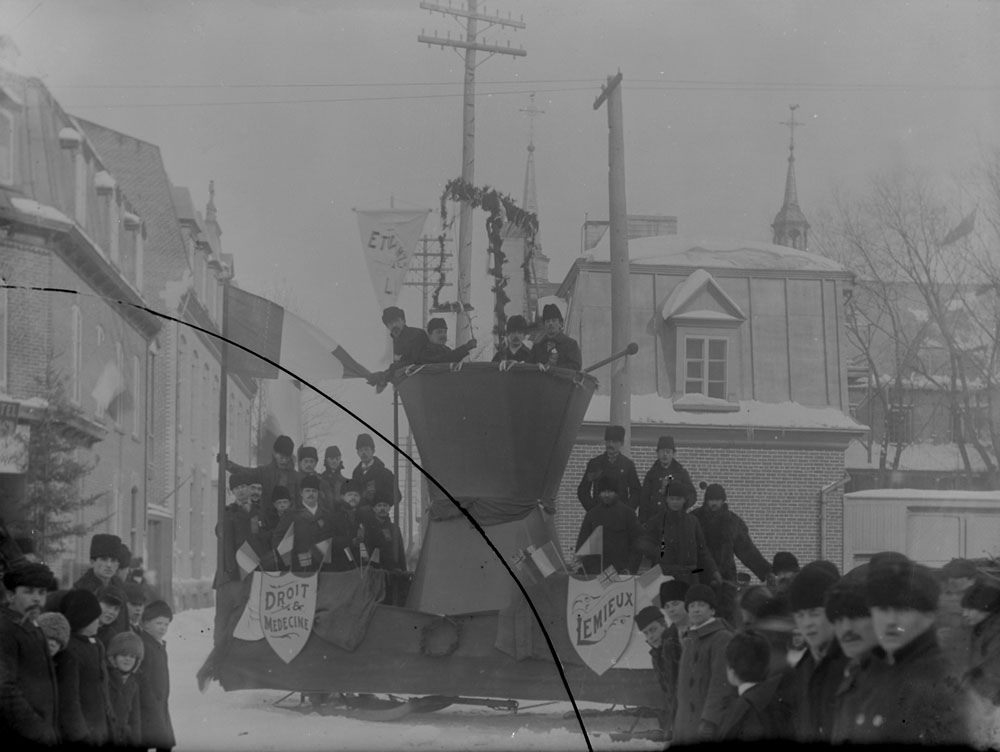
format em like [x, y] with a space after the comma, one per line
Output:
[539, 262]
[211, 214]
[790, 225]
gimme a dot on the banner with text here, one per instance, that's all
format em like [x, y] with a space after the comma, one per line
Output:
[287, 606]
[389, 238]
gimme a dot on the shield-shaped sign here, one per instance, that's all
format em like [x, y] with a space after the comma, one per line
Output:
[599, 615]
[287, 608]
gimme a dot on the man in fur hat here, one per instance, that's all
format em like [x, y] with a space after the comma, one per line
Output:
[612, 464]
[105, 560]
[408, 346]
[652, 498]
[312, 522]
[515, 349]
[308, 461]
[28, 697]
[280, 471]
[981, 608]
[333, 471]
[664, 641]
[728, 537]
[437, 350]
[555, 347]
[620, 531]
[373, 480]
[908, 694]
[673, 539]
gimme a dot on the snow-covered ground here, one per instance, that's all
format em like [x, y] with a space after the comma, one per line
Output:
[249, 720]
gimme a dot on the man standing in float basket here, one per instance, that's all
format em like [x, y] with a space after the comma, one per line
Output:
[673, 539]
[308, 460]
[515, 348]
[652, 498]
[555, 347]
[373, 480]
[437, 350]
[614, 465]
[408, 346]
[333, 471]
[280, 471]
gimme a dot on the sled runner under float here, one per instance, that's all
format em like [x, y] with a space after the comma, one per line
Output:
[498, 439]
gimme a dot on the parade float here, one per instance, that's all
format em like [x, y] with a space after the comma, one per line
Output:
[496, 441]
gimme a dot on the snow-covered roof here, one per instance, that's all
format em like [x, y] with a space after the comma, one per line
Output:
[922, 456]
[40, 211]
[925, 493]
[652, 408]
[687, 289]
[716, 253]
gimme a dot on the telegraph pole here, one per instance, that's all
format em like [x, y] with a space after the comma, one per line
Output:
[471, 45]
[425, 269]
[621, 309]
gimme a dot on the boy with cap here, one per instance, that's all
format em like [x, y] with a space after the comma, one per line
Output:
[909, 695]
[280, 471]
[703, 690]
[136, 599]
[437, 350]
[555, 348]
[112, 619]
[673, 540]
[154, 679]
[308, 460]
[105, 560]
[818, 673]
[759, 712]
[620, 531]
[82, 673]
[373, 480]
[665, 644]
[125, 654]
[652, 498]
[28, 698]
[613, 465]
[515, 349]
[981, 609]
[333, 471]
[408, 345]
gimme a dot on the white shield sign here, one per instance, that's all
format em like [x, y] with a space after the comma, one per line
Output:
[287, 608]
[599, 615]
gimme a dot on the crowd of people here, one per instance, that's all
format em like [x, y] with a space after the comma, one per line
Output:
[83, 666]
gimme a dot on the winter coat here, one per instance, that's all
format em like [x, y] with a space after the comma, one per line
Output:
[106, 631]
[90, 581]
[154, 696]
[269, 476]
[703, 691]
[126, 716]
[815, 685]
[387, 539]
[558, 350]
[443, 354]
[983, 674]
[336, 482]
[84, 705]
[345, 527]
[376, 483]
[29, 706]
[666, 662]
[309, 530]
[915, 699]
[760, 713]
[325, 489]
[674, 540]
[236, 528]
[522, 355]
[727, 537]
[621, 537]
[651, 499]
[622, 469]
[849, 698]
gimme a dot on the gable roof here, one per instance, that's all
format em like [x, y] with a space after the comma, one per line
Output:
[678, 303]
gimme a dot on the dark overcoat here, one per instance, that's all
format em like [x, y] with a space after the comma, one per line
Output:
[816, 684]
[621, 537]
[727, 537]
[82, 672]
[703, 691]
[154, 696]
[621, 471]
[666, 662]
[126, 717]
[674, 540]
[28, 698]
[759, 714]
[559, 350]
[983, 674]
[651, 499]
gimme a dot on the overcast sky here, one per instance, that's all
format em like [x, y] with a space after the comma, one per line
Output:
[302, 110]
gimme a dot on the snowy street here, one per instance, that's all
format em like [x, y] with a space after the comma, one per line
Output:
[249, 720]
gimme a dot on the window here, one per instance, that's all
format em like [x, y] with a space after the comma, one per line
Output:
[900, 424]
[137, 397]
[6, 148]
[76, 353]
[705, 366]
[100, 335]
[114, 228]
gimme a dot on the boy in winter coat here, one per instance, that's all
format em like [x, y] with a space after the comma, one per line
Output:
[981, 609]
[154, 679]
[703, 689]
[111, 620]
[674, 540]
[124, 658]
[56, 630]
[620, 530]
[81, 670]
[759, 712]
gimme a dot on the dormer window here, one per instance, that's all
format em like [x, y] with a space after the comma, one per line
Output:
[70, 138]
[6, 148]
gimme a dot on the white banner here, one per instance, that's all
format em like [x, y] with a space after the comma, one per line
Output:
[389, 239]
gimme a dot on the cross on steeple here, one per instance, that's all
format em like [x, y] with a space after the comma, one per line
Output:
[791, 127]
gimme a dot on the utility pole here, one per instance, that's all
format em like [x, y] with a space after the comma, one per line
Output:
[425, 269]
[621, 309]
[471, 45]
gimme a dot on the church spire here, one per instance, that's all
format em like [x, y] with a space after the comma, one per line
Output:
[790, 225]
[211, 214]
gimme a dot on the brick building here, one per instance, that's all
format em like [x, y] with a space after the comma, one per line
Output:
[67, 225]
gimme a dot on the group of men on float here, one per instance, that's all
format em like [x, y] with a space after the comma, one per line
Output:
[891, 652]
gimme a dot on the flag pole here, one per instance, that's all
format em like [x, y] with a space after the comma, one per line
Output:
[395, 453]
[223, 409]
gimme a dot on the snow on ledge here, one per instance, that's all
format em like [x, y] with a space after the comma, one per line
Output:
[41, 211]
[653, 409]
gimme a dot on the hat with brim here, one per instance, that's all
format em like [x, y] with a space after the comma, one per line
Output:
[902, 585]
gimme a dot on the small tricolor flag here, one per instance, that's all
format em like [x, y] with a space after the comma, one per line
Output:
[247, 559]
[547, 559]
[286, 545]
[325, 549]
[594, 545]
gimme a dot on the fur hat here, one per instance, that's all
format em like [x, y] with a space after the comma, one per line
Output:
[309, 481]
[29, 574]
[155, 610]
[364, 440]
[110, 594]
[105, 546]
[702, 593]
[350, 487]
[331, 451]
[714, 491]
[280, 492]
[605, 483]
[846, 599]
[959, 568]
[238, 479]
[551, 311]
[680, 489]
[135, 594]
[126, 643]
[80, 607]
[775, 612]
[516, 323]
[895, 583]
[308, 452]
[982, 597]
[284, 445]
[755, 598]
[614, 433]
[436, 323]
[672, 590]
[647, 616]
[809, 588]
[392, 313]
[55, 627]
[784, 561]
[665, 442]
